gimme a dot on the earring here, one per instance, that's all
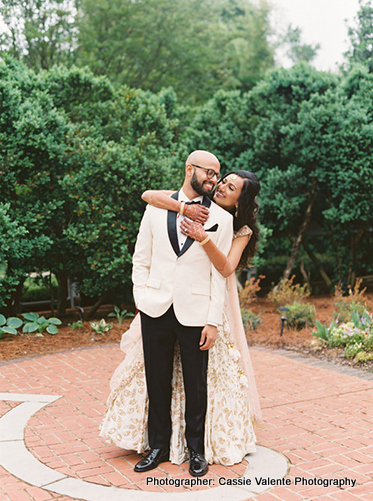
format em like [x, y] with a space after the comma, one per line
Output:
[235, 214]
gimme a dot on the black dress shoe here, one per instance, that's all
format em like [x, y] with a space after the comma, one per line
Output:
[152, 460]
[197, 464]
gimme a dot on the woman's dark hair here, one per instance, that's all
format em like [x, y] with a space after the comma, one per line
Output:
[247, 211]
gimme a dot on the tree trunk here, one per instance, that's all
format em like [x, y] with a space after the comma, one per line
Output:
[298, 240]
[96, 306]
[319, 265]
[355, 239]
[333, 240]
[306, 275]
[62, 294]
[12, 307]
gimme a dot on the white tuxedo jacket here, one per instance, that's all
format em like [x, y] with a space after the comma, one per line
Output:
[163, 275]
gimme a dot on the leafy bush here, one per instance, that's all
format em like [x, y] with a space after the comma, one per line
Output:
[289, 293]
[34, 322]
[9, 325]
[346, 306]
[249, 292]
[250, 320]
[300, 315]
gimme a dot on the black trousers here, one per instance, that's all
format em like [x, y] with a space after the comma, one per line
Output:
[159, 336]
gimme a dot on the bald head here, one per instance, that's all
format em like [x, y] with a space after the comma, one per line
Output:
[205, 158]
[202, 170]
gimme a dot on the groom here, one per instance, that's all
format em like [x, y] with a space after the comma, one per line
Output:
[180, 298]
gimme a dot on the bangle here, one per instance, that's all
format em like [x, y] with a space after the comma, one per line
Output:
[205, 240]
[182, 208]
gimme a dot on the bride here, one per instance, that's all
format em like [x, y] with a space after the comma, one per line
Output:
[233, 404]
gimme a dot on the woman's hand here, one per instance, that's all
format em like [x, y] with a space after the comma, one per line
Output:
[193, 230]
[197, 212]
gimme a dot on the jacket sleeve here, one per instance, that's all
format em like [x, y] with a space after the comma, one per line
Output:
[218, 283]
[142, 257]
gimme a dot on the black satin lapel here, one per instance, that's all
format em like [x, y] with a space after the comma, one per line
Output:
[206, 202]
[171, 227]
[188, 243]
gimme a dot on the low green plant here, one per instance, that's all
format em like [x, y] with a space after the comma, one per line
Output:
[76, 325]
[9, 325]
[355, 336]
[101, 327]
[352, 350]
[300, 315]
[249, 319]
[363, 356]
[322, 330]
[288, 293]
[120, 314]
[34, 322]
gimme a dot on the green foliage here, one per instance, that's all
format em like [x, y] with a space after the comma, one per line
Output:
[12, 251]
[289, 293]
[355, 336]
[76, 325]
[352, 350]
[76, 158]
[322, 331]
[363, 356]
[34, 322]
[360, 35]
[154, 44]
[120, 315]
[300, 315]
[298, 51]
[39, 32]
[9, 325]
[77, 152]
[249, 319]
[35, 290]
[308, 137]
[348, 306]
[101, 327]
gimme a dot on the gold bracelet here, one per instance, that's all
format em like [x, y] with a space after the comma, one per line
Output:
[182, 208]
[205, 240]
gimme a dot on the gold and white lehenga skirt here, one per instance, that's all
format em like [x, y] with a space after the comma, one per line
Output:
[232, 404]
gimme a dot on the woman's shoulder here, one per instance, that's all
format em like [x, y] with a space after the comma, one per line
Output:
[245, 230]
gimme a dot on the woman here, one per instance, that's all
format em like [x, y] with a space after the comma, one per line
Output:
[232, 398]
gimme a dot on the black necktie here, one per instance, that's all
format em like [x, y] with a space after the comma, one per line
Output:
[194, 202]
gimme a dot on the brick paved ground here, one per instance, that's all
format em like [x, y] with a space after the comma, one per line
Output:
[320, 419]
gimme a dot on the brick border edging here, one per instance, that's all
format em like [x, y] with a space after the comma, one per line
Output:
[317, 362]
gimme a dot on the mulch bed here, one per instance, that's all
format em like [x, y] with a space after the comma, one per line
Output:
[267, 334]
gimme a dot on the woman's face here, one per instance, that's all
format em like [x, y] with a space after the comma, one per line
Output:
[228, 191]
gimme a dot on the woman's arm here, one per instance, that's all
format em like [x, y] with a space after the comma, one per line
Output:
[225, 265]
[162, 200]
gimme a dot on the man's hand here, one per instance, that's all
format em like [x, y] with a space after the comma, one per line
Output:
[208, 337]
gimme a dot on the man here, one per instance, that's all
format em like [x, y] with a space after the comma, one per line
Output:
[180, 297]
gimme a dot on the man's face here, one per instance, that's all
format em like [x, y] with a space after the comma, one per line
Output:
[200, 181]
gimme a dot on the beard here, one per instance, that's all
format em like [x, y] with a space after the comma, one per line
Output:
[199, 188]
